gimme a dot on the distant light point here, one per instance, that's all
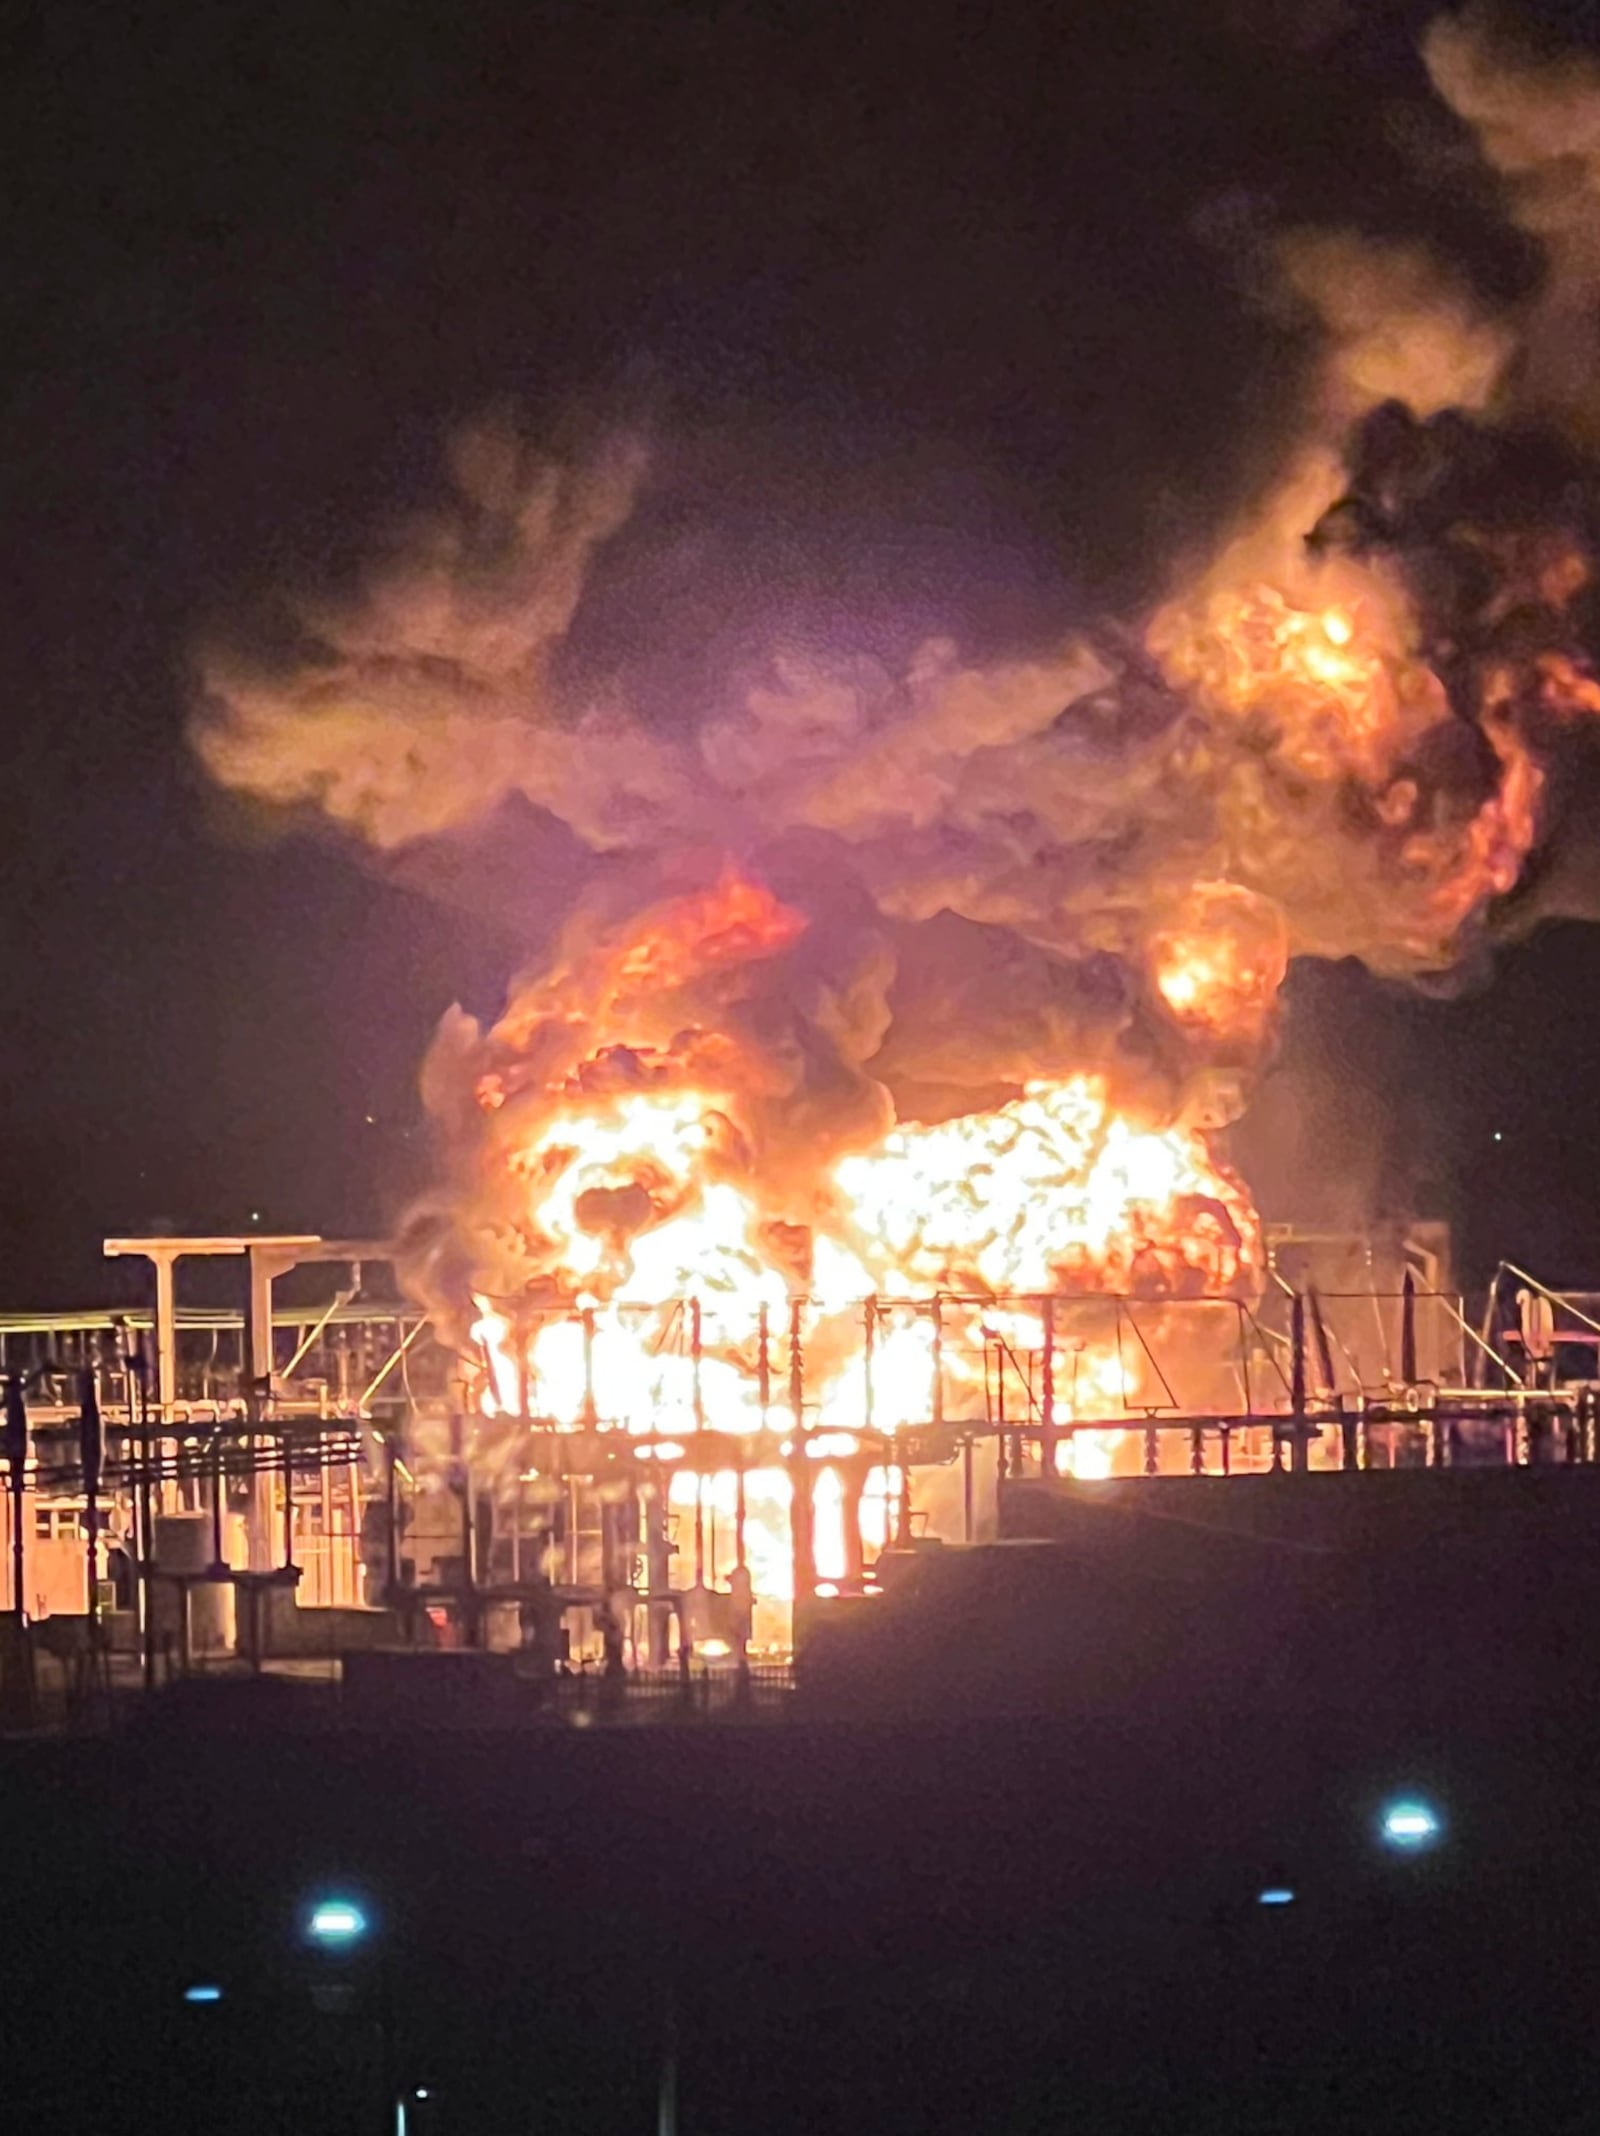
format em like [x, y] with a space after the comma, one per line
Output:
[336, 1922]
[1411, 1825]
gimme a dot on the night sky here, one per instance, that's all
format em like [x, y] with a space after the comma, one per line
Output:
[965, 300]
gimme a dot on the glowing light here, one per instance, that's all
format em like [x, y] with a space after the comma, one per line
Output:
[336, 1923]
[713, 1649]
[1410, 1825]
[1219, 967]
[203, 1992]
[624, 1172]
[1275, 1895]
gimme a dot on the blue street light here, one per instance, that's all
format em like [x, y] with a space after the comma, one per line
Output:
[1409, 1825]
[203, 1991]
[1275, 1895]
[336, 1924]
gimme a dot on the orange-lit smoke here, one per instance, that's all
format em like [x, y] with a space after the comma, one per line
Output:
[895, 980]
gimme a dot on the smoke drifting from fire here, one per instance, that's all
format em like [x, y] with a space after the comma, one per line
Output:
[1537, 122]
[428, 697]
[856, 893]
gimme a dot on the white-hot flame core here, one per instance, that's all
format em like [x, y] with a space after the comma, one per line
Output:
[661, 1277]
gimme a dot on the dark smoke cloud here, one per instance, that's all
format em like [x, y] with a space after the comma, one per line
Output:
[995, 846]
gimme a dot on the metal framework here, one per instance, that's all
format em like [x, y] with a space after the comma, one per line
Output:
[335, 1453]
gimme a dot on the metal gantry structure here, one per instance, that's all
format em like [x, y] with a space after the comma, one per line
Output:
[183, 1482]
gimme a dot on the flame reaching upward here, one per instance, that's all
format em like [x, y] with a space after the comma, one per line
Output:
[914, 976]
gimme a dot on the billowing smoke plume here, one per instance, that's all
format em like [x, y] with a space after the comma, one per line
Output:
[1537, 121]
[863, 891]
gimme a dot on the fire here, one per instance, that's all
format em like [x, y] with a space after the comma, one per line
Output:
[934, 1097]
[1316, 652]
[670, 1278]
[1220, 967]
[1053, 1190]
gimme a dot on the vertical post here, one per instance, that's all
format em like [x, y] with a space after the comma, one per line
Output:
[458, 1483]
[352, 1470]
[264, 1268]
[1297, 1391]
[391, 1499]
[16, 1454]
[667, 2088]
[764, 1364]
[937, 1311]
[697, 1383]
[869, 1315]
[524, 1417]
[287, 1451]
[139, 1389]
[966, 1488]
[801, 1525]
[590, 1414]
[521, 1335]
[325, 1582]
[1047, 1390]
[217, 1558]
[1197, 1450]
[91, 1442]
[852, 1476]
[1408, 1329]
[166, 1328]
[1319, 1328]
[1002, 1459]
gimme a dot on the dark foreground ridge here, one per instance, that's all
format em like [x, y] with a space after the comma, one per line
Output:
[902, 1919]
[853, 1927]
